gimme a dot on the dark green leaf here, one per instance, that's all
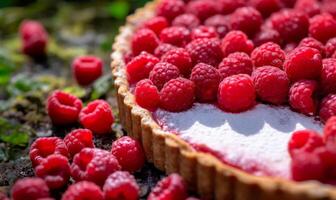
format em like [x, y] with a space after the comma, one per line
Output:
[101, 86]
[118, 9]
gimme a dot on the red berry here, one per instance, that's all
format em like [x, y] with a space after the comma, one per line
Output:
[310, 7]
[180, 58]
[329, 7]
[147, 95]
[46, 146]
[266, 7]
[170, 9]
[328, 75]
[177, 95]
[330, 47]
[267, 35]
[289, 47]
[235, 63]
[203, 9]
[175, 35]
[204, 32]
[144, 40]
[246, 19]
[322, 27]
[87, 69]
[3, 196]
[220, 22]
[236, 41]
[288, 3]
[162, 49]
[328, 107]
[83, 190]
[268, 54]
[162, 73]
[156, 24]
[304, 140]
[78, 139]
[236, 93]
[169, 188]
[312, 43]
[301, 96]
[329, 132]
[121, 185]
[228, 6]
[30, 189]
[128, 56]
[97, 116]
[188, 21]
[63, 108]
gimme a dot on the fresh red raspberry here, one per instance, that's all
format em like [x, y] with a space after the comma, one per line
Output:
[291, 24]
[322, 27]
[328, 107]
[180, 58]
[266, 7]
[267, 35]
[83, 190]
[328, 75]
[310, 7]
[176, 35]
[156, 24]
[140, 67]
[87, 69]
[147, 95]
[63, 108]
[188, 21]
[302, 96]
[121, 185]
[78, 139]
[34, 38]
[144, 40]
[177, 95]
[55, 170]
[236, 41]
[304, 140]
[235, 63]
[246, 19]
[329, 7]
[171, 187]
[236, 93]
[268, 54]
[162, 73]
[206, 51]
[128, 56]
[229, 6]
[288, 3]
[312, 43]
[93, 165]
[206, 79]
[97, 116]
[272, 84]
[204, 32]
[220, 22]
[46, 146]
[329, 132]
[162, 49]
[303, 63]
[29, 189]
[330, 47]
[203, 9]
[170, 9]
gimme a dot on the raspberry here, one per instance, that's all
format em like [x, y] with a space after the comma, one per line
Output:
[147, 95]
[329, 132]
[322, 27]
[128, 56]
[46, 146]
[267, 35]
[310, 7]
[97, 116]
[206, 79]
[140, 67]
[301, 96]
[220, 22]
[328, 75]
[30, 189]
[170, 9]
[329, 7]
[266, 7]
[271, 83]
[236, 93]
[304, 140]
[63, 108]
[330, 47]
[156, 24]
[55, 170]
[303, 63]
[129, 153]
[162, 73]
[236, 41]
[268, 54]
[177, 95]
[162, 49]
[78, 139]
[171, 187]
[203, 9]
[328, 107]
[289, 47]
[312, 43]
[93, 165]
[235, 63]
[144, 40]
[188, 21]
[34, 38]
[288, 3]
[87, 69]
[180, 58]
[206, 51]
[204, 32]
[83, 190]
[121, 185]
[175, 35]
[228, 6]
[246, 19]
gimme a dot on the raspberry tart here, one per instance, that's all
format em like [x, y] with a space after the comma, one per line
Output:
[238, 97]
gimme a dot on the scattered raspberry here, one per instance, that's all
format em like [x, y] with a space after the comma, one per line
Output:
[268, 54]
[171, 187]
[144, 40]
[329, 132]
[156, 24]
[204, 32]
[328, 75]
[236, 41]
[328, 107]
[330, 47]
[246, 19]
[97, 116]
[266, 7]
[121, 185]
[162, 49]
[83, 190]
[87, 69]
[63, 108]
[147, 95]
[235, 63]
[228, 6]
[78, 139]
[267, 35]
[176, 35]
[304, 140]
[46, 146]
[303, 63]
[177, 95]
[162, 73]
[180, 58]
[29, 189]
[188, 21]
[236, 93]
[220, 22]
[206, 79]
[170, 9]
[140, 67]
[322, 27]
[301, 96]
[312, 43]
[310, 7]
[203, 9]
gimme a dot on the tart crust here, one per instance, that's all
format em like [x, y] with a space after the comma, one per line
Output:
[204, 173]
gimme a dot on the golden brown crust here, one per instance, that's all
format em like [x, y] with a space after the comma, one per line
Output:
[211, 178]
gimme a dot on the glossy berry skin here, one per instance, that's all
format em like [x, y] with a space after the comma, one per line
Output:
[235, 63]
[169, 188]
[147, 95]
[204, 32]
[78, 139]
[83, 190]
[156, 24]
[170, 9]
[329, 132]
[236, 41]
[221, 23]
[144, 40]
[266, 7]
[175, 35]
[46, 146]
[162, 49]
[188, 21]
[203, 9]
[268, 54]
[236, 93]
[322, 27]
[247, 20]
[328, 107]
[162, 73]
[181, 59]
[29, 189]
[328, 75]
[87, 69]
[312, 43]
[63, 108]
[304, 140]
[330, 47]
[121, 185]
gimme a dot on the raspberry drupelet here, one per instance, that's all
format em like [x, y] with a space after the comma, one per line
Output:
[304, 140]
[204, 32]
[246, 19]
[220, 22]
[156, 24]
[78, 139]
[268, 54]
[235, 63]
[188, 21]
[162, 49]
[30, 189]
[87, 69]
[203, 9]
[170, 9]
[266, 7]
[147, 95]
[83, 190]
[180, 58]
[144, 40]
[312, 43]
[176, 35]
[328, 75]
[236, 41]
[328, 107]
[330, 47]
[162, 73]
[322, 27]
